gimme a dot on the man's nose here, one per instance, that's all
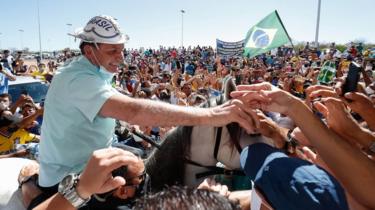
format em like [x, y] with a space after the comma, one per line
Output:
[120, 57]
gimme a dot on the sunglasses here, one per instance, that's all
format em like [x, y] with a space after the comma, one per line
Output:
[141, 178]
[129, 184]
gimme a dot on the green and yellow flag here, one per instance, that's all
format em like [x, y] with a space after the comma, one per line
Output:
[266, 35]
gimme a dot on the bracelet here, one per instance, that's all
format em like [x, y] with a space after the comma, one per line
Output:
[290, 143]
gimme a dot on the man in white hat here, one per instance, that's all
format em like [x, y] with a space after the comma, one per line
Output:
[81, 107]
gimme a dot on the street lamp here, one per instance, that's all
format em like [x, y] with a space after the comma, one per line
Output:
[317, 26]
[40, 38]
[69, 28]
[21, 41]
[182, 28]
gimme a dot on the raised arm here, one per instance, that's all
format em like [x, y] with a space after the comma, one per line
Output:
[136, 111]
[347, 162]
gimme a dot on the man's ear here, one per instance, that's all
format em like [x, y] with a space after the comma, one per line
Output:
[87, 50]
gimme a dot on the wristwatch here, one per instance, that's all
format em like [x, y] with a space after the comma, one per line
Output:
[290, 143]
[67, 188]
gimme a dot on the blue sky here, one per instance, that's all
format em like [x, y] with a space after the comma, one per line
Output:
[150, 23]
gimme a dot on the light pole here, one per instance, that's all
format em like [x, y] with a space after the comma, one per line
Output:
[40, 38]
[182, 28]
[317, 26]
[69, 28]
[21, 41]
[0, 40]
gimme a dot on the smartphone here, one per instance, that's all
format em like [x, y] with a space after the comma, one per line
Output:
[352, 78]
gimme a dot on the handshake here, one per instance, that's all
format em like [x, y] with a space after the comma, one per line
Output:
[266, 97]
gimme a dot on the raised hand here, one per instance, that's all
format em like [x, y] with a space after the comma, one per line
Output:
[339, 118]
[97, 176]
[235, 111]
[212, 185]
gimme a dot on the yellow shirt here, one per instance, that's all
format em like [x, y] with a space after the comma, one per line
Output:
[8, 140]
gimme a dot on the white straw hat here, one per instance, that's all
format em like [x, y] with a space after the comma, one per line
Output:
[101, 29]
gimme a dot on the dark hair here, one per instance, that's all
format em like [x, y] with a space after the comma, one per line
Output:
[83, 44]
[28, 104]
[184, 198]
[6, 95]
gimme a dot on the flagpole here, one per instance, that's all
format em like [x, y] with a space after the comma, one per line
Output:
[282, 24]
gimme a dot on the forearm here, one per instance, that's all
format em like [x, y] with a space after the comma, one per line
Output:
[147, 112]
[358, 136]
[346, 162]
[56, 202]
[10, 76]
[28, 120]
[15, 105]
[163, 114]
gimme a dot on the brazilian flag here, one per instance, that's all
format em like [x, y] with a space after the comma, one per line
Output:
[266, 35]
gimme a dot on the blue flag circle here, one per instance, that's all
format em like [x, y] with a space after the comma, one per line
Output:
[260, 38]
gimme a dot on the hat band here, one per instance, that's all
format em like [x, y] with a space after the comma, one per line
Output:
[99, 35]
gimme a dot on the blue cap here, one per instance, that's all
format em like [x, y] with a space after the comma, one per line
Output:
[291, 183]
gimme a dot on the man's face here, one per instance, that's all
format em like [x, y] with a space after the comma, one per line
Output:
[4, 102]
[27, 111]
[186, 89]
[134, 176]
[108, 55]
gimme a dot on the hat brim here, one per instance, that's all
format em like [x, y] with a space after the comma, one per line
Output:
[84, 37]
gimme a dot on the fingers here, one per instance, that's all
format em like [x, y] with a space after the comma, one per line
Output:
[248, 111]
[245, 121]
[309, 154]
[224, 190]
[111, 184]
[112, 158]
[212, 185]
[333, 103]
[256, 87]
[204, 184]
[355, 96]
[241, 114]
[317, 87]
[338, 86]
[248, 96]
[321, 108]
[323, 93]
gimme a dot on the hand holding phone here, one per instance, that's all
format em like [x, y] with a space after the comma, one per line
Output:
[352, 78]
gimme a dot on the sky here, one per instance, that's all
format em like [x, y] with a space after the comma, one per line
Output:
[151, 23]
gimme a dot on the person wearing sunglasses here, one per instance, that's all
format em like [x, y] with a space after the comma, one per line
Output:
[99, 184]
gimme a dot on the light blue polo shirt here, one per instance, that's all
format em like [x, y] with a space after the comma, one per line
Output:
[72, 128]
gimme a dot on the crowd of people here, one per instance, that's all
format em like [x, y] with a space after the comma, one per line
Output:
[322, 131]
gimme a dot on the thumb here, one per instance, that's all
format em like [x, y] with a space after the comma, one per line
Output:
[350, 96]
[309, 153]
[321, 108]
[111, 184]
